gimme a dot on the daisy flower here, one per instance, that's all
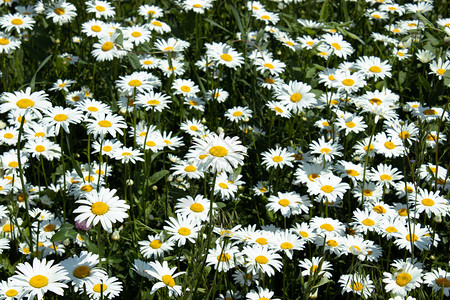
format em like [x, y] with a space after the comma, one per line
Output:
[82, 269]
[160, 27]
[226, 186]
[104, 287]
[279, 109]
[155, 246]
[101, 9]
[153, 101]
[348, 169]
[326, 150]
[366, 220]
[183, 229]
[327, 226]
[197, 6]
[347, 82]
[197, 208]
[17, 22]
[224, 257]
[304, 231]
[317, 265]
[277, 158]
[384, 175]
[388, 146]
[171, 45]
[106, 48]
[286, 242]
[103, 207]
[166, 277]
[193, 127]
[128, 155]
[10, 291]
[266, 16]
[429, 202]
[238, 113]
[9, 136]
[185, 87]
[59, 117]
[149, 62]
[140, 81]
[261, 293]
[357, 283]
[42, 147]
[438, 280]
[243, 278]
[338, 45]
[372, 66]
[351, 123]
[94, 28]
[273, 66]
[288, 203]
[295, 96]
[37, 279]
[103, 123]
[8, 43]
[150, 11]
[35, 102]
[61, 12]
[141, 267]
[218, 153]
[224, 54]
[329, 187]
[260, 258]
[412, 235]
[403, 280]
[188, 169]
[219, 95]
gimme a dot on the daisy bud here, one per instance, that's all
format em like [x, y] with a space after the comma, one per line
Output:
[304, 119]
[57, 41]
[130, 182]
[314, 295]
[2, 124]
[246, 119]
[438, 218]
[241, 188]
[219, 130]
[357, 158]
[432, 257]
[155, 188]
[170, 178]
[203, 121]
[66, 242]
[115, 235]
[123, 111]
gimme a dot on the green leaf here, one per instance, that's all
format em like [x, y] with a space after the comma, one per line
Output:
[158, 176]
[134, 60]
[447, 78]
[33, 80]
[65, 232]
[217, 25]
[238, 19]
[322, 281]
[220, 205]
[425, 20]
[119, 39]
[325, 10]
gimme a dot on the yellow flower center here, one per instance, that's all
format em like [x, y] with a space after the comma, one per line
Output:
[107, 46]
[261, 241]
[412, 237]
[375, 69]
[13, 164]
[96, 28]
[352, 173]
[7, 228]
[11, 293]
[443, 282]
[376, 16]
[197, 5]
[348, 82]
[268, 66]
[265, 17]
[440, 71]
[429, 112]
[336, 46]
[332, 243]
[168, 280]
[367, 148]
[269, 80]
[16, 21]
[279, 110]
[325, 150]
[104, 123]
[99, 208]
[403, 279]
[38, 281]
[155, 244]
[40, 148]
[59, 11]
[379, 209]
[350, 124]
[224, 257]
[168, 49]
[327, 227]
[136, 34]
[277, 158]
[25, 103]
[389, 145]
[313, 177]
[100, 8]
[87, 188]
[60, 117]
[403, 212]
[99, 287]
[391, 229]
[184, 231]
[237, 114]
[385, 177]
[197, 207]
[190, 169]
[286, 245]
[218, 151]
[82, 272]
[368, 222]
[49, 228]
[261, 259]
[185, 89]
[157, 23]
[327, 189]
[296, 97]
[135, 83]
[284, 202]
[304, 234]
[356, 286]
[428, 202]
[4, 41]
[226, 57]
[289, 43]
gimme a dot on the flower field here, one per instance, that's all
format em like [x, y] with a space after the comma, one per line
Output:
[209, 149]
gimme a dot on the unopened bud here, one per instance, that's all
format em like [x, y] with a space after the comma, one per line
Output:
[219, 130]
[180, 179]
[66, 242]
[115, 235]
[155, 188]
[130, 182]
[123, 111]
[2, 124]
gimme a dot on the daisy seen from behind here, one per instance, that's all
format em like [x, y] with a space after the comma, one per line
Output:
[166, 277]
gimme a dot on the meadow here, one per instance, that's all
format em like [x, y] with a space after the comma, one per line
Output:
[209, 149]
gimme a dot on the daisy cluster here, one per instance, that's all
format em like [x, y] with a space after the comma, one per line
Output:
[244, 144]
